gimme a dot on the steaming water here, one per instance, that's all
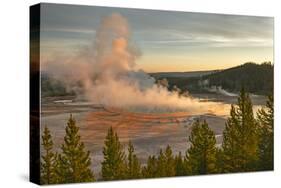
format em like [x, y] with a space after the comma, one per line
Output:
[148, 131]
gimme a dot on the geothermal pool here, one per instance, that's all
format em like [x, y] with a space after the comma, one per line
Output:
[148, 131]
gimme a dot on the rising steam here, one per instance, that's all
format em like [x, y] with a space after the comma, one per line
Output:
[105, 73]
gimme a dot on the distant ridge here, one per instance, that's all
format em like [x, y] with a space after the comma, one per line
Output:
[182, 74]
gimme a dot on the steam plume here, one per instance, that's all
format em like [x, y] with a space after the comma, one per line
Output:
[106, 73]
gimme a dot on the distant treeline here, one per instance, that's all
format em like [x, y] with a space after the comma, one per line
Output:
[247, 146]
[255, 78]
[52, 87]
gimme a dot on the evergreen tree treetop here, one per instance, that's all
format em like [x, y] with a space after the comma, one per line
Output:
[180, 165]
[74, 161]
[113, 165]
[240, 137]
[266, 132]
[48, 163]
[201, 156]
[47, 141]
[133, 166]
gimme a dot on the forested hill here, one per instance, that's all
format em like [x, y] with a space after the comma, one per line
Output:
[256, 78]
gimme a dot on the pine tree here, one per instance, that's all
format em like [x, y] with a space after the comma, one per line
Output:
[240, 137]
[169, 163]
[180, 169]
[161, 166]
[150, 170]
[74, 162]
[265, 146]
[165, 165]
[133, 166]
[48, 163]
[113, 165]
[201, 156]
[161, 171]
[219, 160]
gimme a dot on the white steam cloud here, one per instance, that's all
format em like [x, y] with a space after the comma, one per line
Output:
[106, 74]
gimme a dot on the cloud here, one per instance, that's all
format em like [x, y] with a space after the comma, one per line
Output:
[65, 28]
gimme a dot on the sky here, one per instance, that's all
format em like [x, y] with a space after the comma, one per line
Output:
[169, 41]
